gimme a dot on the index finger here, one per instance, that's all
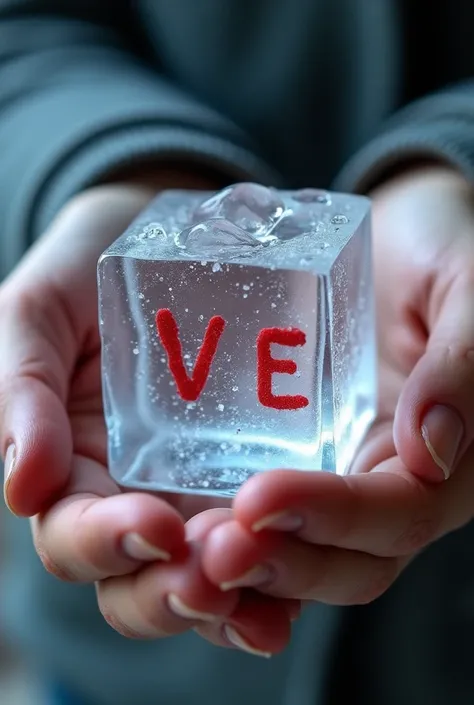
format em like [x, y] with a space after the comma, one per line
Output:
[385, 513]
[35, 433]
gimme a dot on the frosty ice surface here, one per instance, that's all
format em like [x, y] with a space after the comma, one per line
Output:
[238, 337]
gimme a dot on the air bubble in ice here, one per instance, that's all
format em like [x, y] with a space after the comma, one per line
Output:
[153, 231]
[339, 219]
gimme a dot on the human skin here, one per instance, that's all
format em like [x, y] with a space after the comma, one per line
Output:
[234, 574]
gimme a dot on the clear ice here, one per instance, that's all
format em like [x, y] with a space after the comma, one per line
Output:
[260, 259]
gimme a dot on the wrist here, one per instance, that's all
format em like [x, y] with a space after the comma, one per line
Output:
[169, 175]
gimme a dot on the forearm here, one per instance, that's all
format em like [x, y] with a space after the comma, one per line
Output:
[79, 108]
[436, 130]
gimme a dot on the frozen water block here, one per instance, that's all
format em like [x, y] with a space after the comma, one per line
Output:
[238, 337]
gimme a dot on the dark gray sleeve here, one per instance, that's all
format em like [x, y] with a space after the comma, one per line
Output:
[438, 127]
[76, 102]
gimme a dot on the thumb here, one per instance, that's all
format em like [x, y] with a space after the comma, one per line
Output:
[35, 434]
[434, 420]
[47, 311]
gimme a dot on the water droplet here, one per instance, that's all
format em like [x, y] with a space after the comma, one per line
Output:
[235, 388]
[203, 262]
[216, 267]
[246, 287]
[312, 195]
[135, 351]
[339, 219]
[273, 305]
[153, 231]
[220, 407]
[201, 317]
[141, 296]
[215, 236]
[251, 207]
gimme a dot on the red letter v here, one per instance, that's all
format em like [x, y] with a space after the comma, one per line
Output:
[189, 389]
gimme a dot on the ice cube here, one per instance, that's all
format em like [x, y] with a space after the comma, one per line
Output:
[238, 344]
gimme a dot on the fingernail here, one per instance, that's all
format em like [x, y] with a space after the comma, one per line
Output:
[9, 466]
[442, 431]
[10, 457]
[137, 548]
[259, 575]
[237, 640]
[179, 608]
[280, 521]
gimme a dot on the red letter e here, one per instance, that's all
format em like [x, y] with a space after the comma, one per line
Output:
[267, 366]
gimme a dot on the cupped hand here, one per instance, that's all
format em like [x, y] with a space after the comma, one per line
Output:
[85, 527]
[344, 540]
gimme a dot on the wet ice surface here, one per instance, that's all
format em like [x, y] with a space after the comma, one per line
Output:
[259, 258]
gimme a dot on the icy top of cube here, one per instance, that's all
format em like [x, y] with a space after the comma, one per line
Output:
[245, 223]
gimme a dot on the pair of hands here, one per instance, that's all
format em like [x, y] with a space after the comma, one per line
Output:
[163, 565]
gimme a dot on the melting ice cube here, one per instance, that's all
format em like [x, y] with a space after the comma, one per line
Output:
[205, 259]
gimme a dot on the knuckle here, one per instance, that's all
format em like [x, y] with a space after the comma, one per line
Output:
[118, 625]
[88, 548]
[460, 353]
[418, 535]
[308, 584]
[34, 368]
[121, 612]
[53, 567]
